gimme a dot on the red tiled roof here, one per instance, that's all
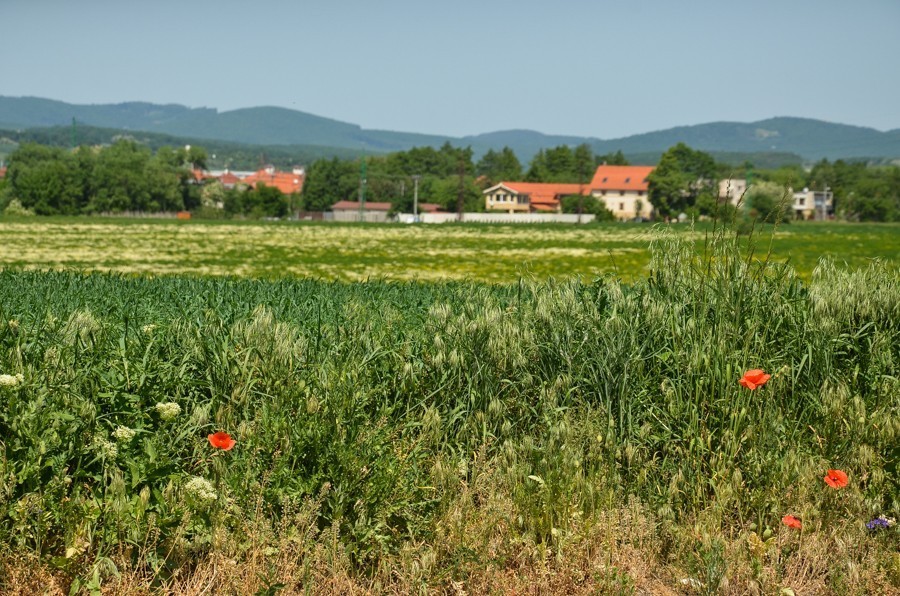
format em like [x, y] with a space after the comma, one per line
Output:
[286, 182]
[200, 175]
[228, 178]
[3, 172]
[545, 192]
[621, 178]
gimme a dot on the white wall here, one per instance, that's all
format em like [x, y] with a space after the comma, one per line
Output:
[505, 217]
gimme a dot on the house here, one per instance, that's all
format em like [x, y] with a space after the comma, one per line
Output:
[623, 189]
[228, 179]
[528, 197]
[732, 190]
[813, 204]
[2, 172]
[287, 182]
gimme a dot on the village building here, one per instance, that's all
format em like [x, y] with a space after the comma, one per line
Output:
[287, 182]
[623, 190]
[528, 197]
[732, 190]
[813, 204]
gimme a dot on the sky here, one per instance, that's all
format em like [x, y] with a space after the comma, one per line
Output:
[587, 68]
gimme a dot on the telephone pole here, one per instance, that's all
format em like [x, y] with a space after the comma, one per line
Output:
[362, 189]
[416, 179]
[460, 195]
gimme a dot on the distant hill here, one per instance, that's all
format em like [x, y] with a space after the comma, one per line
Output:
[222, 154]
[807, 138]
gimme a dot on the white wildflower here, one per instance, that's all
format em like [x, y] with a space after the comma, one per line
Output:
[107, 449]
[13, 324]
[11, 380]
[200, 492]
[123, 434]
[167, 410]
[149, 328]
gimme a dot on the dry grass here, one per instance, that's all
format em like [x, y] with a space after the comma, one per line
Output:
[623, 550]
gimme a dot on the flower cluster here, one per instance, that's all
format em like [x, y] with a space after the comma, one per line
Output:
[106, 449]
[881, 522]
[123, 434]
[167, 410]
[11, 380]
[200, 492]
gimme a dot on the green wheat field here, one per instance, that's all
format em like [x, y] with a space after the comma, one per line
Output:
[193, 408]
[348, 252]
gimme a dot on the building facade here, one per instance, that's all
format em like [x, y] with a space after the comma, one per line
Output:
[623, 190]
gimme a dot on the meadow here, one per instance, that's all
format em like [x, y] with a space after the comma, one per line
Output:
[354, 252]
[569, 435]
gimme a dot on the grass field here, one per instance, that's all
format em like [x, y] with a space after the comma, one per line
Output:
[348, 252]
[560, 437]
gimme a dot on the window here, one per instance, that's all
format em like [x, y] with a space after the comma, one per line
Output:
[621, 206]
[605, 178]
[603, 192]
[802, 202]
[621, 193]
[640, 193]
[627, 180]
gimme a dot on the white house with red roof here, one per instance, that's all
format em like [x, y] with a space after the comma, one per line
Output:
[623, 189]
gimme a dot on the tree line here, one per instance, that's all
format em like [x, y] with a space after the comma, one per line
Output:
[129, 176]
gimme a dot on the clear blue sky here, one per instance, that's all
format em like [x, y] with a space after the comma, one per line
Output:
[590, 68]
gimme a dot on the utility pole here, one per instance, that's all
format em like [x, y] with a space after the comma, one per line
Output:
[362, 189]
[580, 190]
[416, 179]
[460, 195]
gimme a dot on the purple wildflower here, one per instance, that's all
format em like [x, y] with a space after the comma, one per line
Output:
[880, 522]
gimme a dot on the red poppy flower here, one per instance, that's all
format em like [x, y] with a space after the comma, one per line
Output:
[221, 440]
[754, 378]
[791, 522]
[836, 478]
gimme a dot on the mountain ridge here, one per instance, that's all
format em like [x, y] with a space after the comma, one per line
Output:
[272, 125]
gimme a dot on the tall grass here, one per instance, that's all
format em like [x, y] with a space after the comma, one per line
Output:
[399, 436]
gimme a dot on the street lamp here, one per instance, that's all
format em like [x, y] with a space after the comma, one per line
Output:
[416, 179]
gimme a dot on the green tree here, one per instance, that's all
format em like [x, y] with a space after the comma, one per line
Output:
[769, 202]
[682, 177]
[45, 180]
[587, 205]
[119, 182]
[329, 181]
[612, 159]
[498, 166]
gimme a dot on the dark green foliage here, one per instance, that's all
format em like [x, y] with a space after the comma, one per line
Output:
[497, 166]
[682, 178]
[861, 193]
[123, 177]
[587, 204]
[562, 164]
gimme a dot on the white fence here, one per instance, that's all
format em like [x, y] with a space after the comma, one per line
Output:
[517, 218]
